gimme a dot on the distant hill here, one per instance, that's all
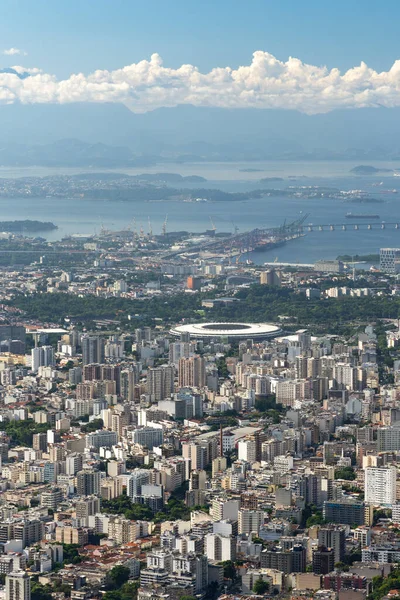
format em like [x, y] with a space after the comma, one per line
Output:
[111, 135]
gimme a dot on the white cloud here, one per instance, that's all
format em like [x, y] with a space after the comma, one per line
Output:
[14, 52]
[265, 83]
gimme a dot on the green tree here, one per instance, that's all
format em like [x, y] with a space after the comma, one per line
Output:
[40, 592]
[229, 569]
[71, 554]
[345, 473]
[117, 577]
[260, 586]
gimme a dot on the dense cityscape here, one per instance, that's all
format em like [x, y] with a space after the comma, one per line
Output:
[199, 300]
[178, 423]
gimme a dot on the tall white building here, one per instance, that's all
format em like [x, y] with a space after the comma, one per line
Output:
[134, 483]
[247, 450]
[220, 547]
[250, 520]
[73, 463]
[42, 357]
[18, 586]
[224, 509]
[380, 485]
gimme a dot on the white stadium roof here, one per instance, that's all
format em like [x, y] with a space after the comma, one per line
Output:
[230, 330]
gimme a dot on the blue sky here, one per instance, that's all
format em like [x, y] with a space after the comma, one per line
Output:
[65, 36]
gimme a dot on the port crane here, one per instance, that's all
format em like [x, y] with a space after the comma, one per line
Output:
[213, 228]
[235, 228]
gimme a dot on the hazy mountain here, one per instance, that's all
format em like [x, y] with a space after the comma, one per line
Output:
[110, 134]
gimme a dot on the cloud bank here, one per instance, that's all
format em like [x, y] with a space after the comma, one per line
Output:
[14, 52]
[265, 83]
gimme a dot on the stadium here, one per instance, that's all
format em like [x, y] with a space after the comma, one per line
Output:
[238, 331]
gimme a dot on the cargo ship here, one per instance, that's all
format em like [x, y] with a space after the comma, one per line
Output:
[351, 215]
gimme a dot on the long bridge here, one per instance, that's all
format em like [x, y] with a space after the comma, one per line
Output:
[352, 226]
[240, 243]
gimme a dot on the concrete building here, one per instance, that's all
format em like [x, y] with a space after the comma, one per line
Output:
[323, 560]
[220, 547]
[88, 482]
[333, 537]
[148, 437]
[18, 586]
[389, 260]
[250, 520]
[388, 439]
[192, 372]
[160, 382]
[101, 439]
[92, 349]
[247, 450]
[42, 357]
[380, 485]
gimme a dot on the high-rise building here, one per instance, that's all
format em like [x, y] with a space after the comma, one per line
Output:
[135, 482]
[13, 332]
[380, 485]
[250, 520]
[220, 547]
[224, 509]
[277, 558]
[192, 372]
[39, 441]
[179, 350]
[323, 560]
[333, 537]
[198, 480]
[148, 436]
[51, 498]
[92, 349]
[101, 438]
[247, 450]
[390, 260]
[194, 283]
[73, 463]
[270, 277]
[388, 439]
[88, 482]
[345, 511]
[196, 453]
[111, 373]
[75, 375]
[42, 357]
[345, 376]
[91, 372]
[128, 379]
[18, 586]
[160, 382]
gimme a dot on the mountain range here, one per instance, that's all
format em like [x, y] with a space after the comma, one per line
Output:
[109, 135]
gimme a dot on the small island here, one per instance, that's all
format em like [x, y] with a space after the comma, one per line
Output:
[26, 226]
[369, 258]
[270, 179]
[368, 170]
[169, 177]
